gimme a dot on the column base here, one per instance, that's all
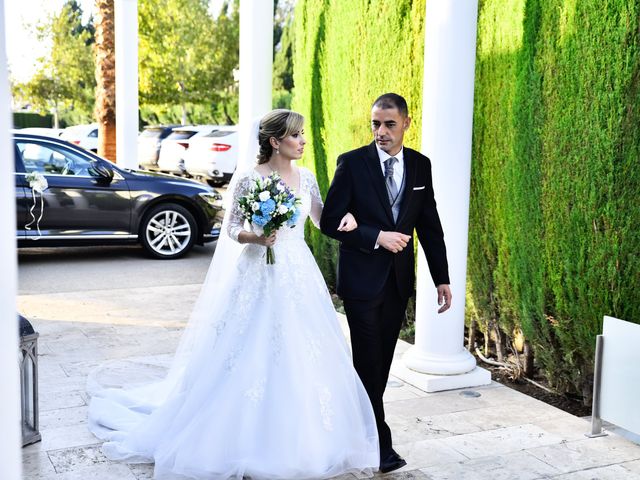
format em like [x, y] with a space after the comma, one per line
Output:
[450, 364]
[438, 383]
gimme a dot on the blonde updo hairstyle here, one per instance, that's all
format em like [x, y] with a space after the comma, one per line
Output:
[278, 124]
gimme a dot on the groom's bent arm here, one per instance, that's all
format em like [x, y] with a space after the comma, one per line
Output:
[336, 205]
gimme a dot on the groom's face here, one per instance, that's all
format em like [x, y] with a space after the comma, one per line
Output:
[388, 126]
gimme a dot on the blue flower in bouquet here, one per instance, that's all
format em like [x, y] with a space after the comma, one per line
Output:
[294, 218]
[267, 207]
[260, 220]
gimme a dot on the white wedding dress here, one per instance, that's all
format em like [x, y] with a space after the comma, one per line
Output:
[269, 392]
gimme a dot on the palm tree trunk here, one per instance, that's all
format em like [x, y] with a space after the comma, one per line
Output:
[106, 79]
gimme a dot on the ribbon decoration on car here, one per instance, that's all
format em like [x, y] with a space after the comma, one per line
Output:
[38, 184]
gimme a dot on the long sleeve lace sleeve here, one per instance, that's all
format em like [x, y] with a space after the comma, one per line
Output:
[236, 221]
[316, 200]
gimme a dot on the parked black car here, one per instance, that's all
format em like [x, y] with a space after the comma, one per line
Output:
[91, 201]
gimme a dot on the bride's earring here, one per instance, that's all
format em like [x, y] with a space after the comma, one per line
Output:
[277, 151]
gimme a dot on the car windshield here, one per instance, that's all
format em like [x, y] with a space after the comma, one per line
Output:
[180, 135]
[220, 133]
[151, 132]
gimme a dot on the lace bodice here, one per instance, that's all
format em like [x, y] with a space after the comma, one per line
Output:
[310, 206]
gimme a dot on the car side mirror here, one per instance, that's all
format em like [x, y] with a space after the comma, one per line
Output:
[102, 171]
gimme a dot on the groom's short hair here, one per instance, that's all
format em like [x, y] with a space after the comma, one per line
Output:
[392, 100]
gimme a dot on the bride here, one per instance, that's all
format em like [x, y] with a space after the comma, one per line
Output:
[262, 384]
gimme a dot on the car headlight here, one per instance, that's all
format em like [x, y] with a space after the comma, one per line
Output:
[212, 198]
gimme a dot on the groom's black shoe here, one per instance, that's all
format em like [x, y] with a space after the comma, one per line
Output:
[392, 461]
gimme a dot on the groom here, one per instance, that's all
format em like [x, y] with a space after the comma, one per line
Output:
[388, 188]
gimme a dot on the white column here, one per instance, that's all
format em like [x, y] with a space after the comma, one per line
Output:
[126, 32]
[10, 439]
[256, 65]
[449, 67]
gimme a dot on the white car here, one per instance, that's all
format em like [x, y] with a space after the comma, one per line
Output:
[149, 142]
[85, 136]
[213, 157]
[174, 147]
[46, 132]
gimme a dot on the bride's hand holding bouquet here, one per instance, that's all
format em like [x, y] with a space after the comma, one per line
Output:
[269, 205]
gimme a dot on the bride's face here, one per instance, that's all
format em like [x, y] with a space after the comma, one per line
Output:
[292, 146]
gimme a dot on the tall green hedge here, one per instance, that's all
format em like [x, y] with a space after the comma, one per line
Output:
[346, 55]
[554, 213]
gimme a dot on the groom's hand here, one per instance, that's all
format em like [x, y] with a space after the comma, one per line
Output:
[393, 241]
[444, 297]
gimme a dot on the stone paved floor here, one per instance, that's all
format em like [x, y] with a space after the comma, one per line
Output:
[501, 435]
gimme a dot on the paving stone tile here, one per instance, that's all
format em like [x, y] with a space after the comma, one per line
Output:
[49, 369]
[142, 471]
[588, 453]
[395, 393]
[412, 429]
[65, 353]
[427, 452]
[109, 471]
[69, 459]
[404, 475]
[611, 472]
[36, 463]
[512, 466]
[500, 441]
[435, 404]
[567, 426]
[58, 400]
[64, 384]
[79, 368]
[62, 437]
[401, 348]
[63, 417]
[508, 415]
[632, 466]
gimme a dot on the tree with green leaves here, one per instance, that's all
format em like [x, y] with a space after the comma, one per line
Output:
[187, 56]
[283, 44]
[64, 82]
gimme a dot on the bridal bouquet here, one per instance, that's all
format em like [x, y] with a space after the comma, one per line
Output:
[268, 206]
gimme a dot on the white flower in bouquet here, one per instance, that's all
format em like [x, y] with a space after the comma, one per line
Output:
[264, 196]
[269, 206]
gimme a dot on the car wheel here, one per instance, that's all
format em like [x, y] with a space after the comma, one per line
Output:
[168, 231]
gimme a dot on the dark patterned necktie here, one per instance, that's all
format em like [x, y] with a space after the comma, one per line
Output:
[392, 188]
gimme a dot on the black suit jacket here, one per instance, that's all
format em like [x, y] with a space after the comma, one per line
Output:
[358, 187]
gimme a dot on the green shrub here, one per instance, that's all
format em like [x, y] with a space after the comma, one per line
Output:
[553, 216]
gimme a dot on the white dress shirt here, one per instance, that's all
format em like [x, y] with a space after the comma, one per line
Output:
[398, 167]
[398, 170]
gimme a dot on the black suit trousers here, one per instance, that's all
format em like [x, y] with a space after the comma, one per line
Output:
[374, 327]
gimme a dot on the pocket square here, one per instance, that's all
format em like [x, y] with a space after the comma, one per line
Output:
[419, 188]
